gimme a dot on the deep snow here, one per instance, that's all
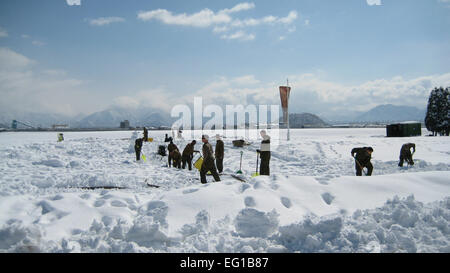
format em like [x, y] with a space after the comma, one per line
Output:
[312, 202]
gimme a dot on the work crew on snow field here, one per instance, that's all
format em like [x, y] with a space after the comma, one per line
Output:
[171, 147]
[208, 161]
[176, 157]
[138, 148]
[406, 155]
[219, 153]
[188, 155]
[264, 154]
[362, 160]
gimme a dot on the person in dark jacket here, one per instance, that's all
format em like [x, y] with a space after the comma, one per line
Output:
[264, 154]
[406, 155]
[188, 154]
[145, 134]
[219, 153]
[362, 160]
[176, 157]
[138, 148]
[208, 161]
[168, 139]
[171, 147]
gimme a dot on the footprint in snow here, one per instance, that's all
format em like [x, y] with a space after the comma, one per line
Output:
[99, 203]
[244, 187]
[249, 201]
[189, 191]
[327, 197]
[286, 202]
[118, 203]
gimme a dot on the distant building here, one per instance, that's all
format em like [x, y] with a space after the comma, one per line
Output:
[125, 124]
[404, 129]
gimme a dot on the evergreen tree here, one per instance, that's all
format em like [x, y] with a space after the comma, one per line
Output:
[437, 119]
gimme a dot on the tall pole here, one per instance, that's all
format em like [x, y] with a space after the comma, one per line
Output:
[288, 131]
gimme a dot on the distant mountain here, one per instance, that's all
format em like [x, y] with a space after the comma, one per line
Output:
[392, 113]
[305, 120]
[111, 118]
[156, 119]
[108, 118]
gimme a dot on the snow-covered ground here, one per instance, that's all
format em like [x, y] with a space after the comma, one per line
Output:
[312, 202]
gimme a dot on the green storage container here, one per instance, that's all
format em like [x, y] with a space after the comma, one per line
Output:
[405, 129]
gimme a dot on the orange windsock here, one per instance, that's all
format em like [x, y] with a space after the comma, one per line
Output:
[284, 96]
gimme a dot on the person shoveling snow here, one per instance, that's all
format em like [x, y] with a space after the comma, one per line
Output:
[362, 160]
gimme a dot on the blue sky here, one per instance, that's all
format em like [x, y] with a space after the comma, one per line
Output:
[69, 56]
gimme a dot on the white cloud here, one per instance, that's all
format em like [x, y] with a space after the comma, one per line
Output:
[239, 7]
[25, 87]
[292, 16]
[221, 21]
[239, 35]
[373, 2]
[38, 43]
[310, 93]
[3, 32]
[268, 20]
[73, 2]
[13, 60]
[221, 29]
[397, 90]
[102, 21]
[203, 18]
[245, 80]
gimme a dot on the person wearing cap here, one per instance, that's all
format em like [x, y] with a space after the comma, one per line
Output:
[208, 164]
[406, 155]
[188, 154]
[362, 160]
[219, 153]
[264, 154]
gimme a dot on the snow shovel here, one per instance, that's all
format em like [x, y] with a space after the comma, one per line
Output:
[257, 160]
[240, 166]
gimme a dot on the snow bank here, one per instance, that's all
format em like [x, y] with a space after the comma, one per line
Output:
[400, 225]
